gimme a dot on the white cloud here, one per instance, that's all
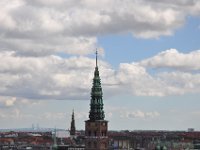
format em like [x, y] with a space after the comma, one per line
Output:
[81, 115]
[181, 82]
[7, 102]
[141, 114]
[172, 58]
[49, 77]
[13, 102]
[10, 102]
[54, 77]
[35, 35]
[125, 112]
[138, 114]
[178, 75]
[53, 116]
[41, 27]
[134, 79]
[14, 114]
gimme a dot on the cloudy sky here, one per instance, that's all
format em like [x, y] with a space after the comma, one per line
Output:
[149, 62]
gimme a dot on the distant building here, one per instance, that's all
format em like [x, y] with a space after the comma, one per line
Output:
[96, 127]
[190, 129]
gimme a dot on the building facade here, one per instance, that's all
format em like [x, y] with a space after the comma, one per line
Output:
[96, 127]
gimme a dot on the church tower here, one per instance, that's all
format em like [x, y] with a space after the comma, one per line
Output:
[96, 127]
[72, 128]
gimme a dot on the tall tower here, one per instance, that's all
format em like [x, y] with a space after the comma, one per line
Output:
[96, 127]
[72, 128]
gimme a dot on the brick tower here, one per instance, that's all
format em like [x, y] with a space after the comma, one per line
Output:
[96, 127]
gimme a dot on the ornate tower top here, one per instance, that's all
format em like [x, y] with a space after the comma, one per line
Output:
[96, 103]
[72, 128]
[96, 127]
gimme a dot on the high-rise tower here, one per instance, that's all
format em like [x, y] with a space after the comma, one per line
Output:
[72, 128]
[96, 127]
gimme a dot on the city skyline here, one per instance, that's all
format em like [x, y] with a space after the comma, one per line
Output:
[149, 62]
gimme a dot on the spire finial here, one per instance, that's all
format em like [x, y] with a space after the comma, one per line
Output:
[96, 56]
[73, 114]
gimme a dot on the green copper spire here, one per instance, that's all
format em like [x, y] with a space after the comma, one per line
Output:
[96, 104]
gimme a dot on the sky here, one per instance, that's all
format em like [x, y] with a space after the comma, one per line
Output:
[149, 62]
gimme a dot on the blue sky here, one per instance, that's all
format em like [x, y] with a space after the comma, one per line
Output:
[149, 62]
[127, 48]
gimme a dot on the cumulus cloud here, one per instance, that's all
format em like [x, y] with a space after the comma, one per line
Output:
[41, 27]
[54, 77]
[49, 77]
[178, 74]
[172, 58]
[138, 114]
[54, 116]
[36, 35]
[133, 113]
[134, 79]
[8, 102]
[142, 115]
[181, 82]
[81, 115]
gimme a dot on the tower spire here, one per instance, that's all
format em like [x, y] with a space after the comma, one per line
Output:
[72, 128]
[96, 57]
[96, 127]
[96, 103]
